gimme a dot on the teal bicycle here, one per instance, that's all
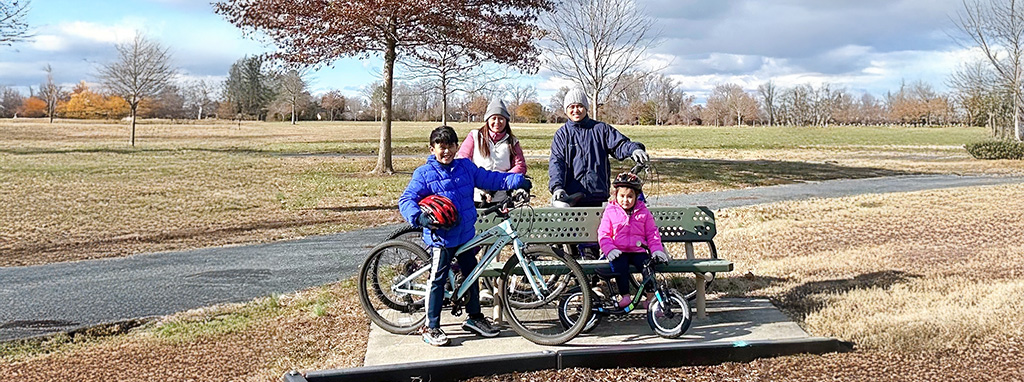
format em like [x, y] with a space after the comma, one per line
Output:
[395, 277]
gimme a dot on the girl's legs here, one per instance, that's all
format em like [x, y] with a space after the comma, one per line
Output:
[620, 268]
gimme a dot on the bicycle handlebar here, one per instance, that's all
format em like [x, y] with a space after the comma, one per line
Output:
[518, 197]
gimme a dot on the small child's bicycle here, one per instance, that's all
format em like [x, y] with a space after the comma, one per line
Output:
[395, 278]
[668, 313]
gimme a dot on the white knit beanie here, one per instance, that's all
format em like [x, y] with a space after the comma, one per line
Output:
[497, 106]
[575, 96]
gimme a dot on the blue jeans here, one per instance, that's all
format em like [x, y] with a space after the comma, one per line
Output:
[620, 268]
[441, 263]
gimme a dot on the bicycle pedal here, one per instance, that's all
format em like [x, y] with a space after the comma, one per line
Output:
[457, 310]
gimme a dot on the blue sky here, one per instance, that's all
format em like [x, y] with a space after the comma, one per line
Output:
[862, 45]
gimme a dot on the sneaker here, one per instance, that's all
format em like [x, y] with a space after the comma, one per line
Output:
[435, 336]
[481, 326]
[624, 301]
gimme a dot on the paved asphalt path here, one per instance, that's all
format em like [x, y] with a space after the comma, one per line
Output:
[38, 300]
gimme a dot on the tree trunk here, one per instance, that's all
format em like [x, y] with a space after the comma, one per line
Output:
[134, 107]
[384, 165]
[200, 115]
[1016, 124]
[444, 99]
[293, 111]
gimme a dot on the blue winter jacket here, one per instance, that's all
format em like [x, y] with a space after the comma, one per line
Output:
[456, 182]
[579, 158]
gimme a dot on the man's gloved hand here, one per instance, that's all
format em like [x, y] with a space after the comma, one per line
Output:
[660, 256]
[559, 194]
[613, 254]
[640, 156]
[423, 220]
[526, 184]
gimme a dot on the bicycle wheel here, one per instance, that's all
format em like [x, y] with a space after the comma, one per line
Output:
[520, 289]
[533, 313]
[671, 318]
[571, 306]
[393, 284]
[408, 233]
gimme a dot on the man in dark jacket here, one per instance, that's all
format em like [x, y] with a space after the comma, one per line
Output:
[579, 154]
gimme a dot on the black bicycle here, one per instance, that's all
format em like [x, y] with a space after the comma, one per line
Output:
[668, 313]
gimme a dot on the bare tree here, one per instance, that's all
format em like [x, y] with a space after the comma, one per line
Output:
[13, 27]
[10, 101]
[334, 102]
[518, 94]
[142, 70]
[50, 92]
[199, 94]
[450, 68]
[769, 99]
[555, 104]
[596, 43]
[729, 103]
[292, 89]
[997, 28]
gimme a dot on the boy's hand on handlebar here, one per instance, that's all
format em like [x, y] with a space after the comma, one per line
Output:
[660, 256]
[526, 184]
[559, 194]
[423, 220]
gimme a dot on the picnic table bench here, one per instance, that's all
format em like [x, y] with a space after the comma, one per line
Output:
[687, 225]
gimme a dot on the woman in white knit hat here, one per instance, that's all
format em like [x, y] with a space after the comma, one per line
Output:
[493, 147]
[579, 154]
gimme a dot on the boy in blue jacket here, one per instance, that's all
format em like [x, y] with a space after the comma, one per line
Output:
[454, 179]
[579, 154]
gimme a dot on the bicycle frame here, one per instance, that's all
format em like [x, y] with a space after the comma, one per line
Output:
[504, 234]
[648, 279]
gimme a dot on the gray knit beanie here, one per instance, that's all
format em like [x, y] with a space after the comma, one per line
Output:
[497, 106]
[575, 96]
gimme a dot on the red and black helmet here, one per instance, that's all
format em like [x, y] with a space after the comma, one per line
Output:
[628, 179]
[440, 210]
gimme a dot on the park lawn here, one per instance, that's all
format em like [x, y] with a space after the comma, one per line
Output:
[926, 284]
[76, 190]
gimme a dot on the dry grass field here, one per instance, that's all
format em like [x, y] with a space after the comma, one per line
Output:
[927, 284]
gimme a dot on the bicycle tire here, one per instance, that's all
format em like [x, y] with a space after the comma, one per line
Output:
[415, 235]
[519, 289]
[408, 233]
[674, 323]
[569, 309]
[395, 312]
[537, 318]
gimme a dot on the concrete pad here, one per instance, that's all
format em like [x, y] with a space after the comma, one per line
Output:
[729, 320]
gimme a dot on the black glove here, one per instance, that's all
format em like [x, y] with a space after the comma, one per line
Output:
[526, 184]
[424, 220]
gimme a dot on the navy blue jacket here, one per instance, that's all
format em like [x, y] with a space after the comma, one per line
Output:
[456, 182]
[579, 158]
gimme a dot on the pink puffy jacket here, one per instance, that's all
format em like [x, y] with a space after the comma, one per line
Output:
[621, 231]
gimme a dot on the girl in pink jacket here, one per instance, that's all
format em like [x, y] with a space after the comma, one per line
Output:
[625, 222]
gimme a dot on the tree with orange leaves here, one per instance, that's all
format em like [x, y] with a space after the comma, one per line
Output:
[32, 107]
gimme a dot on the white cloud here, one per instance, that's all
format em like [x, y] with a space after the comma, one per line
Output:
[49, 43]
[95, 32]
